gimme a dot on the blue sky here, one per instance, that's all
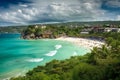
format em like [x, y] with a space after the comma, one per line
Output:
[20, 12]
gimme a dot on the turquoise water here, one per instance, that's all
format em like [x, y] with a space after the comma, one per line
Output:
[17, 56]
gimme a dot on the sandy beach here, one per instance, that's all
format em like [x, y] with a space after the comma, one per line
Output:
[88, 43]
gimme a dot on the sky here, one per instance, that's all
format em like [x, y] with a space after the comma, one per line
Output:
[20, 12]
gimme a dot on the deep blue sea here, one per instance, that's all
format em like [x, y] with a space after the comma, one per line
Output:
[17, 56]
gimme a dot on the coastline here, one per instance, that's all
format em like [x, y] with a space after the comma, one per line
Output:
[35, 45]
[88, 43]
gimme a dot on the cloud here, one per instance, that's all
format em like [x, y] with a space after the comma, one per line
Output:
[23, 5]
[118, 17]
[20, 15]
[113, 3]
[39, 11]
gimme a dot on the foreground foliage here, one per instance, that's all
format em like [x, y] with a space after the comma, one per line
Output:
[101, 64]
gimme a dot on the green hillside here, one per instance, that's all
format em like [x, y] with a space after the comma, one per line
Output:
[101, 64]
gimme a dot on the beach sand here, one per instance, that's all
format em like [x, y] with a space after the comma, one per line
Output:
[88, 43]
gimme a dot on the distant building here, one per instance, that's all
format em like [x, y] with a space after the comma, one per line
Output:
[112, 30]
[43, 27]
[84, 32]
[98, 29]
[36, 26]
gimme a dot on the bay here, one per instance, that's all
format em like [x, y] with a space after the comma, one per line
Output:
[17, 56]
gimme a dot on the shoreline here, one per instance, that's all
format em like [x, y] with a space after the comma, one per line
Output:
[88, 43]
[84, 42]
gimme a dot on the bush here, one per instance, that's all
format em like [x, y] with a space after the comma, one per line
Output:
[85, 71]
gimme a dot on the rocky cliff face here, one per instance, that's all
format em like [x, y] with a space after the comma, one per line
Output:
[33, 32]
[41, 36]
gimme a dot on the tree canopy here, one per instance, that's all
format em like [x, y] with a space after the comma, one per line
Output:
[102, 63]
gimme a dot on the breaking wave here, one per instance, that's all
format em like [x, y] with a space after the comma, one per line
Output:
[51, 53]
[58, 46]
[75, 54]
[35, 60]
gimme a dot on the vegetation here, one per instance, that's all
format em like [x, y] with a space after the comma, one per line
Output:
[70, 29]
[12, 29]
[101, 64]
[19, 29]
[50, 32]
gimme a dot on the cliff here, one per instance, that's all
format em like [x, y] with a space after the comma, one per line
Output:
[35, 32]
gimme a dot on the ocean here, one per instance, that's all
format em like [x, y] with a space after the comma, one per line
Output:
[17, 56]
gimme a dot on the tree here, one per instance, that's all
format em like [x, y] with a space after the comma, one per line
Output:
[85, 71]
[38, 32]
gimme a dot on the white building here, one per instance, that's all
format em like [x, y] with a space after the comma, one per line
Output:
[43, 27]
[36, 26]
[84, 32]
[112, 30]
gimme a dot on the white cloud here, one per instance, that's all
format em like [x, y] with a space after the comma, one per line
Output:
[23, 5]
[20, 11]
[118, 17]
[56, 10]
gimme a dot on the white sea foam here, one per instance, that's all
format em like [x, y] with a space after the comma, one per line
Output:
[6, 78]
[75, 54]
[51, 53]
[58, 46]
[35, 60]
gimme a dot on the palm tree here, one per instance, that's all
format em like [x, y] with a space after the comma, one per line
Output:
[92, 58]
